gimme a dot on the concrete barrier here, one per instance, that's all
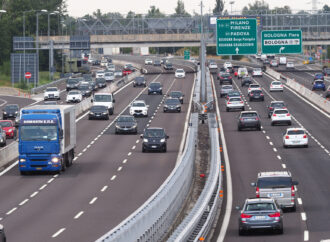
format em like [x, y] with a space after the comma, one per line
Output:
[8, 153]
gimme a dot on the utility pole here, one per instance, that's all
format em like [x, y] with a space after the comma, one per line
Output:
[202, 57]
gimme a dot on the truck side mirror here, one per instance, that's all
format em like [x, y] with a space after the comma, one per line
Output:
[253, 184]
[61, 133]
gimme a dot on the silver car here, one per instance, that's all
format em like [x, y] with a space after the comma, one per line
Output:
[2, 137]
[234, 103]
[277, 185]
[225, 89]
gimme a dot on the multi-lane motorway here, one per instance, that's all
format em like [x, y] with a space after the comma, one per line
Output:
[110, 178]
[253, 151]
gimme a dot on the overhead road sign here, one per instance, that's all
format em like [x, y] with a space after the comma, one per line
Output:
[281, 41]
[187, 54]
[237, 36]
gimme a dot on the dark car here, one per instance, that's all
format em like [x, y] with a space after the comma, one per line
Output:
[260, 213]
[155, 88]
[86, 90]
[126, 124]
[249, 119]
[168, 66]
[318, 85]
[2, 234]
[72, 83]
[273, 105]
[92, 84]
[154, 139]
[87, 76]
[225, 77]
[326, 71]
[3, 137]
[172, 105]
[100, 82]
[256, 95]
[139, 81]
[177, 94]
[318, 76]
[266, 62]
[10, 111]
[98, 112]
[157, 63]
[164, 61]
[246, 81]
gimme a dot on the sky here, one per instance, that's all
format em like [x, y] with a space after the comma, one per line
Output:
[79, 8]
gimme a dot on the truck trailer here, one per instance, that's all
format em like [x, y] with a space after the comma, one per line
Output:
[47, 138]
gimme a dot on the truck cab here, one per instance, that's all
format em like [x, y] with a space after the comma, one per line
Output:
[104, 99]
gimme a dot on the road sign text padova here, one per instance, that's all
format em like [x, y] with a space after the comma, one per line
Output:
[281, 42]
[236, 36]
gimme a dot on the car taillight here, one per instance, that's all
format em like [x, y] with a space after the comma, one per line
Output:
[292, 191]
[257, 192]
[274, 215]
[251, 94]
[274, 115]
[281, 85]
[249, 89]
[228, 102]
[288, 114]
[241, 102]
[305, 136]
[243, 215]
[261, 94]
[271, 85]
[256, 119]
[241, 119]
[287, 137]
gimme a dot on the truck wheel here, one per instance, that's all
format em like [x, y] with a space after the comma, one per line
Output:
[111, 111]
[23, 173]
[63, 165]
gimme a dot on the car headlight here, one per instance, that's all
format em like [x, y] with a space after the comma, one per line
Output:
[117, 126]
[91, 113]
[150, 89]
[145, 140]
[10, 130]
[162, 140]
[16, 112]
[22, 160]
[4, 112]
[104, 112]
[55, 160]
[178, 106]
[134, 126]
[165, 106]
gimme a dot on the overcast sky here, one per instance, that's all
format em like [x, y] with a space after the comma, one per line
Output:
[78, 8]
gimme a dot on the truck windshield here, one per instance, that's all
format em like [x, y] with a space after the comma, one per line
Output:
[102, 98]
[38, 132]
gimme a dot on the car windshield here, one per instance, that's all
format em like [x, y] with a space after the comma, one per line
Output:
[249, 115]
[10, 108]
[296, 132]
[72, 81]
[125, 119]
[274, 182]
[74, 93]
[281, 111]
[256, 92]
[98, 108]
[103, 98]
[172, 101]
[51, 89]
[154, 133]
[276, 83]
[139, 79]
[83, 87]
[100, 80]
[179, 71]
[175, 94]
[38, 132]
[227, 87]
[259, 207]
[138, 104]
[257, 69]
[319, 82]
[155, 85]
[319, 74]
[5, 124]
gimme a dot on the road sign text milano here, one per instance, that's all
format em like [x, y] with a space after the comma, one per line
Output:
[281, 42]
[236, 36]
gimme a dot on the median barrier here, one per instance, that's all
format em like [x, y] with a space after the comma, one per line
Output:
[8, 153]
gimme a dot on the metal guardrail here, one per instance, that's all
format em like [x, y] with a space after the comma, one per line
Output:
[153, 219]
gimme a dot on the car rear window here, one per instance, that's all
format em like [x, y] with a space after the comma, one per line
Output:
[276, 83]
[281, 111]
[248, 115]
[235, 99]
[319, 82]
[277, 105]
[256, 91]
[227, 87]
[296, 132]
[274, 182]
[260, 206]
[254, 86]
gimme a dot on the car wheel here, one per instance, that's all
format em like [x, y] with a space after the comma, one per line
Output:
[239, 128]
[294, 208]
[272, 123]
[107, 118]
[165, 149]
[259, 128]
[250, 99]
[280, 231]
[89, 118]
[306, 146]
[243, 108]
[289, 123]
[143, 150]
[23, 173]
[227, 109]
[241, 232]
[111, 111]
[285, 146]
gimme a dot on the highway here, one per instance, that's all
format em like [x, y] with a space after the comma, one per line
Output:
[110, 177]
[253, 151]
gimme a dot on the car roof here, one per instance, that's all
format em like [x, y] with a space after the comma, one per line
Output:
[126, 116]
[158, 128]
[280, 109]
[102, 93]
[277, 102]
[274, 174]
[99, 106]
[249, 112]
[296, 128]
[138, 101]
[226, 86]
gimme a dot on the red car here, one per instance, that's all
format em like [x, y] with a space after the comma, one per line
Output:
[9, 127]
[126, 72]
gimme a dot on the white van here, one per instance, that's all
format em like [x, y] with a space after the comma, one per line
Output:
[104, 99]
[282, 60]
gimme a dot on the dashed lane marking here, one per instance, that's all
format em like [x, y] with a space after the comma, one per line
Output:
[113, 177]
[284, 166]
[303, 216]
[275, 150]
[11, 211]
[42, 187]
[306, 235]
[58, 233]
[119, 168]
[78, 214]
[34, 194]
[93, 200]
[299, 201]
[279, 157]
[23, 202]
[104, 188]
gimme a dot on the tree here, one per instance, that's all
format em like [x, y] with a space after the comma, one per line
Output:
[180, 10]
[326, 8]
[154, 12]
[258, 7]
[284, 10]
[219, 6]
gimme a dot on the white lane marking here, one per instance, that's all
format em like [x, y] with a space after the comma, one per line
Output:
[104, 188]
[34, 194]
[84, 150]
[149, 121]
[75, 158]
[284, 166]
[95, 139]
[42, 187]
[271, 143]
[55, 176]
[295, 188]
[113, 177]
[93, 200]
[88, 146]
[267, 137]
[129, 154]
[1, 219]
[119, 168]
[299, 200]
[148, 125]
[306, 235]
[303, 216]
[9, 168]
[275, 150]
[92, 142]
[124, 161]
[279, 157]
[79, 154]
[50, 180]
[23, 202]
[11, 211]
[137, 141]
[133, 148]
[264, 131]
[58, 233]
[78, 214]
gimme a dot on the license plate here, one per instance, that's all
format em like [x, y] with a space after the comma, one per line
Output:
[275, 195]
[259, 217]
[154, 146]
[38, 168]
[295, 141]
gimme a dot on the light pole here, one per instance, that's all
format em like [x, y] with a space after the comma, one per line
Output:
[231, 7]
[24, 67]
[37, 40]
[50, 44]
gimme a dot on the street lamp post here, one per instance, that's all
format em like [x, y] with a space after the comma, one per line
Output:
[37, 39]
[50, 44]
[231, 7]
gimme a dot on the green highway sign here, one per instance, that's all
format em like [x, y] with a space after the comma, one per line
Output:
[237, 36]
[281, 41]
[187, 54]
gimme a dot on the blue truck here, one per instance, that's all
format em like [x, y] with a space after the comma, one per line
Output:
[47, 138]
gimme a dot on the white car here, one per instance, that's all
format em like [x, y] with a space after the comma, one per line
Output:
[274, 63]
[148, 61]
[180, 73]
[118, 73]
[139, 108]
[111, 67]
[290, 65]
[253, 87]
[109, 76]
[52, 93]
[280, 116]
[295, 137]
[257, 72]
[283, 60]
[234, 103]
[242, 72]
[100, 74]
[227, 65]
[276, 86]
[213, 65]
[74, 96]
